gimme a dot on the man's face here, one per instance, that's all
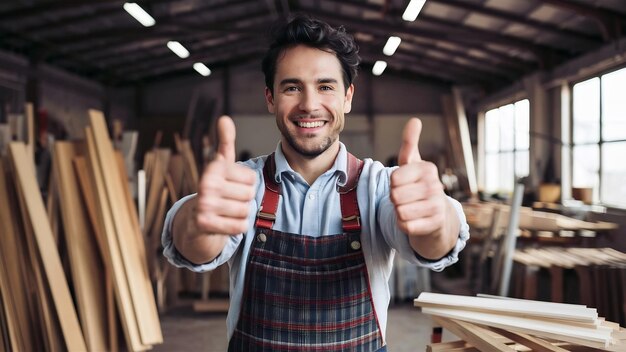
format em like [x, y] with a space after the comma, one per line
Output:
[309, 100]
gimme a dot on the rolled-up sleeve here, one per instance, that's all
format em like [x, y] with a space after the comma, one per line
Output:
[177, 259]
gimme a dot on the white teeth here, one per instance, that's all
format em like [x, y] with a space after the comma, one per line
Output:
[310, 124]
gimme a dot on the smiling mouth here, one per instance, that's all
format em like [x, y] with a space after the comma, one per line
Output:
[313, 124]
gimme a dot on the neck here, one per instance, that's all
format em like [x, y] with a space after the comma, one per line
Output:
[310, 168]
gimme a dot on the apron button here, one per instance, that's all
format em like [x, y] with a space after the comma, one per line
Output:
[356, 245]
[262, 238]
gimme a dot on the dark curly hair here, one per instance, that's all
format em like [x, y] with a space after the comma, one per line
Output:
[303, 29]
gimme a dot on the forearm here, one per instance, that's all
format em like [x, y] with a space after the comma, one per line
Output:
[439, 243]
[196, 247]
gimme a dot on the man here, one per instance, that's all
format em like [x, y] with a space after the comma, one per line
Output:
[310, 232]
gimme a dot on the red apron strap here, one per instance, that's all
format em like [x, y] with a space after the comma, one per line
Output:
[267, 212]
[350, 216]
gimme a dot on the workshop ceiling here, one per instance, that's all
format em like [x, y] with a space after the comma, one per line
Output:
[490, 43]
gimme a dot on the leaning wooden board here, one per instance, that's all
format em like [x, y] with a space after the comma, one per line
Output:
[50, 260]
[88, 188]
[12, 253]
[86, 266]
[134, 263]
[112, 254]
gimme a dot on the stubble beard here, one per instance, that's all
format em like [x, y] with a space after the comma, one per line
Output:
[315, 151]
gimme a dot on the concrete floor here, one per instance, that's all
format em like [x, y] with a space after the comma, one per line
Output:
[408, 330]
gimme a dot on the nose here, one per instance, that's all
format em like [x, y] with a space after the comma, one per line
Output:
[309, 101]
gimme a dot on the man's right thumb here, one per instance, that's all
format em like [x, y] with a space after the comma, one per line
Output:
[226, 138]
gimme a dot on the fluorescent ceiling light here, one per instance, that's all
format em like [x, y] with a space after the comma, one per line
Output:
[178, 49]
[379, 67]
[202, 69]
[412, 10]
[392, 45]
[139, 14]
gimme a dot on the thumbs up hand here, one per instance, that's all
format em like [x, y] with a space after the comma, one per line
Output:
[226, 188]
[416, 192]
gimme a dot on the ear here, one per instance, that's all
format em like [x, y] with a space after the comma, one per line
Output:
[269, 100]
[347, 104]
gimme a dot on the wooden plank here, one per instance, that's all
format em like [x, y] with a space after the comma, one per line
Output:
[583, 336]
[113, 255]
[130, 205]
[88, 189]
[452, 346]
[535, 343]
[51, 262]
[9, 324]
[527, 308]
[473, 334]
[134, 264]
[86, 266]
[30, 132]
[156, 181]
[11, 252]
[176, 171]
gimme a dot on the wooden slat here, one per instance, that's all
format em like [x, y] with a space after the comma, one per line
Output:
[583, 336]
[527, 308]
[88, 192]
[130, 205]
[86, 266]
[474, 335]
[535, 343]
[112, 253]
[11, 252]
[50, 258]
[134, 264]
[30, 132]
[452, 346]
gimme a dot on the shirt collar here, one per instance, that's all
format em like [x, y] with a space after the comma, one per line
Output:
[339, 167]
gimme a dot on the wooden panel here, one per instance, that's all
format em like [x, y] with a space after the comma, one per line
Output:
[112, 253]
[51, 262]
[86, 266]
[134, 264]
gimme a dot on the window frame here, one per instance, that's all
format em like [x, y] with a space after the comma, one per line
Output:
[597, 194]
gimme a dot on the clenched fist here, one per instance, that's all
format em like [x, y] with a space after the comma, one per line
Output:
[225, 189]
[416, 192]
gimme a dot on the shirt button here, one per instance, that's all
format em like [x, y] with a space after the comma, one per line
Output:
[356, 245]
[261, 237]
[311, 196]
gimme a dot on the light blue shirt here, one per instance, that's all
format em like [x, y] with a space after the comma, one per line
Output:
[315, 211]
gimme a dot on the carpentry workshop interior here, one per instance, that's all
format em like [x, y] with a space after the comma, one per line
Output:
[495, 222]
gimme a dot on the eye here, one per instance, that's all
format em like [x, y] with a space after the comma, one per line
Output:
[292, 89]
[326, 88]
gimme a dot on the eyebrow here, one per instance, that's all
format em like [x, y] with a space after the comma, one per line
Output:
[297, 81]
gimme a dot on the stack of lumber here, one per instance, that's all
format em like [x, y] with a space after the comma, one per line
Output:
[74, 274]
[600, 275]
[170, 176]
[497, 324]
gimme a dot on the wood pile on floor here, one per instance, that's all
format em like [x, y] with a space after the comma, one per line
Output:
[596, 276]
[490, 323]
[73, 270]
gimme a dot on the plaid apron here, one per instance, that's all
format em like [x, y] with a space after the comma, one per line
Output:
[305, 293]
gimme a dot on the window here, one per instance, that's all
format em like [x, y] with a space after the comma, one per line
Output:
[506, 146]
[599, 137]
